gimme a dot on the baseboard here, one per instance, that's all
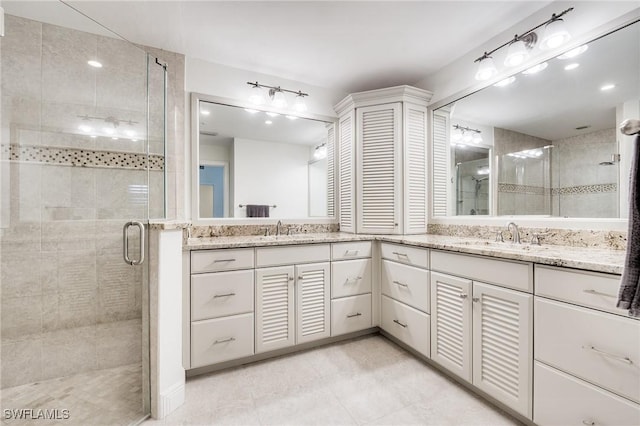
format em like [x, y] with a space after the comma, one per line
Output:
[170, 400]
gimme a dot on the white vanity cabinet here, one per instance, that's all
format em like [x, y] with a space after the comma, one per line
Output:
[587, 351]
[292, 300]
[351, 287]
[221, 322]
[482, 331]
[382, 161]
[404, 284]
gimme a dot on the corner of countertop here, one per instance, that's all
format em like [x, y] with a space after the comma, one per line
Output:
[168, 225]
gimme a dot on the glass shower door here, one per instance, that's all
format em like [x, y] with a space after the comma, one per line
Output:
[75, 167]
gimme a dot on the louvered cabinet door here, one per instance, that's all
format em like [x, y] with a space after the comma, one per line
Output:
[441, 165]
[331, 170]
[274, 308]
[347, 172]
[312, 302]
[379, 195]
[451, 323]
[502, 345]
[415, 169]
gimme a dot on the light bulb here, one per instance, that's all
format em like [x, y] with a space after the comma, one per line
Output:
[257, 96]
[278, 99]
[486, 69]
[516, 54]
[300, 104]
[456, 135]
[555, 35]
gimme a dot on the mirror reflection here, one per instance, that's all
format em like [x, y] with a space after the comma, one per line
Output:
[472, 174]
[552, 130]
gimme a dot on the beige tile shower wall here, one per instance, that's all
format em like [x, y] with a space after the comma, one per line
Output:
[581, 186]
[69, 303]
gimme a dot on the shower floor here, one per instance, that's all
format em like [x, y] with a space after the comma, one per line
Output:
[105, 397]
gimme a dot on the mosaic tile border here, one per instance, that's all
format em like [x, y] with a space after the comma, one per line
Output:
[82, 157]
[568, 190]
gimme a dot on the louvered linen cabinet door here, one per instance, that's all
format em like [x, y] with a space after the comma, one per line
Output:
[379, 195]
[502, 345]
[274, 308]
[451, 323]
[347, 172]
[415, 169]
[313, 299]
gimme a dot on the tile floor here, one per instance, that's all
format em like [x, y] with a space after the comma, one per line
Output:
[111, 396]
[367, 381]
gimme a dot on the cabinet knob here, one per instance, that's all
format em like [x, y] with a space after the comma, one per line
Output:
[475, 299]
[300, 277]
[290, 278]
[463, 296]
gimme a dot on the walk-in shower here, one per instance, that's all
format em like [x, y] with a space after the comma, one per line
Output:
[82, 153]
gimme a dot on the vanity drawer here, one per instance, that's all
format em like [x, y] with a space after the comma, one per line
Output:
[406, 324]
[221, 293]
[591, 289]
[350, 314]
[289, 255]
[563, 400]
[221, 339]
[221, 260]
[351, 250]
[589, 344]
[510, 274]
[350, 277]
[406, 284]
[405, 254]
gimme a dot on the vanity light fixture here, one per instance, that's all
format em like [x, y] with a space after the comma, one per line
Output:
[465, 135]
[574, 52]
[535, 69]
[555, 34]
[572, 66]
[276, 94]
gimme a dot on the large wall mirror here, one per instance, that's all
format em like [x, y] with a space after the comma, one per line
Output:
[543, 142]
[250, 163]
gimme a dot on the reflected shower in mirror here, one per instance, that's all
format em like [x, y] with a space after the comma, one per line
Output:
[552, 130]
[471, 180]
[262, 164]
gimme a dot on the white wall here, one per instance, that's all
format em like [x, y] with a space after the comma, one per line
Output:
[271, 173]
[586, 18]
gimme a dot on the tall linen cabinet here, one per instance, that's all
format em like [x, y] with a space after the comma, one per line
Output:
[382, 161]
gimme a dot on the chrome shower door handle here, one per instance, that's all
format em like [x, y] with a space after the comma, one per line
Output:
[125, 243]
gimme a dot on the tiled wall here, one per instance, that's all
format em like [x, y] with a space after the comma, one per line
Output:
[69, 302]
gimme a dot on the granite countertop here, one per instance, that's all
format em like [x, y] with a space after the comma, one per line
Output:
[599, 260]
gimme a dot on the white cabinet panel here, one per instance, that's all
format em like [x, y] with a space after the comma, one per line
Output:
[290, 255]
[502, 345]
[414, 256]
[350, 250]
[274, 308]
[350, 277]
[350, 314]
[406, 324]
[221, 260]
[221, 293]
[601, 348]
[563, 400]
[312, 302]
[451, 323]
[406, 284]
[221, 339]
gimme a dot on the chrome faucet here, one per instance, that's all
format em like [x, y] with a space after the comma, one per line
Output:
[515, 233]
[278, 225]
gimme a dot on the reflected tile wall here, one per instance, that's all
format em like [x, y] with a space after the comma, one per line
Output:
[69, 303]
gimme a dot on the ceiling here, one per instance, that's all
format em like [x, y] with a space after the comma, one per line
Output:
[343, 45]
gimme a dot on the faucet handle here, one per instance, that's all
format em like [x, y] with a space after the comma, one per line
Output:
[266, 231]
[499, 237]
[535, 238]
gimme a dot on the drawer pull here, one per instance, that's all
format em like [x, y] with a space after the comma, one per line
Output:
[405, 255]
[230, 339]
[598, 293]
[354, 279]
[399, 323]
[588, 423]
[224, 295]
[620, 358]
[223, 260]
[357, 314]
[351, 252]
[463, 296]
[400, 284]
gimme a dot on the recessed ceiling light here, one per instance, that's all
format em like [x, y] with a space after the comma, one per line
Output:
[268, 122]
[507, 81]
[574, 52]
[607, 87]
[204, 112]
[572, 66]
[94, 64]
[535, 69]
